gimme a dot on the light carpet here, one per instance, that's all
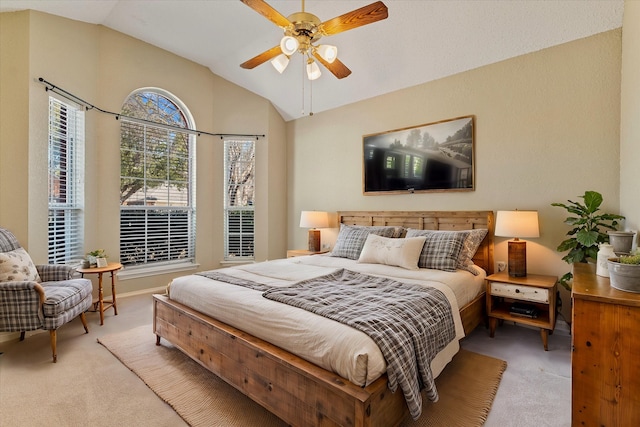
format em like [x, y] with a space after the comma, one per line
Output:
[466, 387]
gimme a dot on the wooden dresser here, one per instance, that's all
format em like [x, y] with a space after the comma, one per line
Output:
[605, 363]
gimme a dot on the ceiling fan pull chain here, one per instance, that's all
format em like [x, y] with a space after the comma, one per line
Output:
[303, 71]
[310, 98]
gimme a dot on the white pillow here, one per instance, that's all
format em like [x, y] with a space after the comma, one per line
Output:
[17, 266]
[392, 251]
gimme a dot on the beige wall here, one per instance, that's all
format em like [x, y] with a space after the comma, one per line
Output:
[547, 129]
[630, 117]
[14, 109]
[104, 67]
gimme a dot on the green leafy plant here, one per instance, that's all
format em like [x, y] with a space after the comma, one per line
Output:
[587, 232]
[98, 253]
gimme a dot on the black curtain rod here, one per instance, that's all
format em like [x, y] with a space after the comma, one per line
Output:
[88, 106]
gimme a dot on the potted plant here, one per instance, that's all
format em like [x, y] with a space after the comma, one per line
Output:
[587, 232]
[97, 255]
[624, 272]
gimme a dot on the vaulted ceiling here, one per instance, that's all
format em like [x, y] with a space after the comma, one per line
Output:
[420, 41]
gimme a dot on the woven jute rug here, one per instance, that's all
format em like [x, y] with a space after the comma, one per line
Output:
[466, 387]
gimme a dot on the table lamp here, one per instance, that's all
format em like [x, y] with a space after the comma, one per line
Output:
[314, 220]
[517, 224]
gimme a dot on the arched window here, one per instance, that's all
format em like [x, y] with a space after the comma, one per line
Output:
[157, 180]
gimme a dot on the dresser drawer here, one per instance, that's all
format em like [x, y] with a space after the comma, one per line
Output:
[526, 293]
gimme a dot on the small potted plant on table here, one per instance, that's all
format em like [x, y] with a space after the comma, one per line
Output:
[97, 258]
[624, 272]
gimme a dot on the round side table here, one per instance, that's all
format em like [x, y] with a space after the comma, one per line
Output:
[100, 304]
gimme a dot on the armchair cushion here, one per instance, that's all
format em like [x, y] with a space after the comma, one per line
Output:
[62, 296]
[65, 301]
[16, 265]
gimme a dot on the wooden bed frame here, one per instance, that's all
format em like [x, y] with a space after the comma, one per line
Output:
[297, 391]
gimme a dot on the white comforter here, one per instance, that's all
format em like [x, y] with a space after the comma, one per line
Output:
[324, 342]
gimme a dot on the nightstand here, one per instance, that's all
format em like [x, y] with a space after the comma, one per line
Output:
[302, 252]
[532, 291]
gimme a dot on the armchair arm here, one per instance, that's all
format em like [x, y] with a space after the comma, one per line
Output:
[21, 306]
[55, 272]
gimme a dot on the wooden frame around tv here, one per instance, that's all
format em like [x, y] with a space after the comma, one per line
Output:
[297, 391]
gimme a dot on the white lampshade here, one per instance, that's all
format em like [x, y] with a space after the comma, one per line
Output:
[314, 219]
[280, 62]
[328, 52]
[313, 71]
[289, 45]
[517, 224]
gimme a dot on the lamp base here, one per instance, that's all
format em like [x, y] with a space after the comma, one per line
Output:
[314, 240]
[517, 258]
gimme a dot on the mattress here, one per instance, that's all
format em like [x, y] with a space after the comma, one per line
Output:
[319, 340]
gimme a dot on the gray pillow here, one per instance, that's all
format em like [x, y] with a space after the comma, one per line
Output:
[351, 239]
[441, 250]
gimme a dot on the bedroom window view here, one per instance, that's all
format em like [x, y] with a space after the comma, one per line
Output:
[157, 182]
[65, 153]
[239, 166]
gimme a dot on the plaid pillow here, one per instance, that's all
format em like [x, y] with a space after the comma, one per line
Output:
[441, 250]
[351, 239]
[8, 241]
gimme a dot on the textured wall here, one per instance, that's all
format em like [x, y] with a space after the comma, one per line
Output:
[547, 129]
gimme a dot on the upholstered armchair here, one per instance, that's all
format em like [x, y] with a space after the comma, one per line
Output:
[38, 296]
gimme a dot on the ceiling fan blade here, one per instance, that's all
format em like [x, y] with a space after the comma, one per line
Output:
[262, 58]
[268, 12]
[356, 18]
[336, 67]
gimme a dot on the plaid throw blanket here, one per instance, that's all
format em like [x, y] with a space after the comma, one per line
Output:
[409, 323]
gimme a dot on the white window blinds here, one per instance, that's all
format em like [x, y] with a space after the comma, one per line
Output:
[239, 166]
[66, 189]
[157, 185]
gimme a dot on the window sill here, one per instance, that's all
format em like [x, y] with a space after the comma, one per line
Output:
[137, 272]
[237, 262]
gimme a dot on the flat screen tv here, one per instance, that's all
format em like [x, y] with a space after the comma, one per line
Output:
[431, 157]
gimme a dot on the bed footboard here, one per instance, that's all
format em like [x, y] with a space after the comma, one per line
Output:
[297, 391]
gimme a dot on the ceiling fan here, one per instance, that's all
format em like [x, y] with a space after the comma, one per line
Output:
[302, 30]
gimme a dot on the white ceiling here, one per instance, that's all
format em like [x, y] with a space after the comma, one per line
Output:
[420, 41]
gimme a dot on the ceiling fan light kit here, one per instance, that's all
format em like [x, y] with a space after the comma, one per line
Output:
[328, 52]
[302, 30]
[280, 62]
[289, 45]
[313, 71]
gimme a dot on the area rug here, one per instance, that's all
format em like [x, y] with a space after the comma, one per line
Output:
[467, 386]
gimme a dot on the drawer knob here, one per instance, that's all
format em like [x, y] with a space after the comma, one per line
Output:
[517, 291]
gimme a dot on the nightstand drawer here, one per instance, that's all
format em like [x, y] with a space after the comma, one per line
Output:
[526, 293]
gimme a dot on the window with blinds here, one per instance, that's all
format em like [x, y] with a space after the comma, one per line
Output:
[157, 183]
[66, 189]
[239, 166]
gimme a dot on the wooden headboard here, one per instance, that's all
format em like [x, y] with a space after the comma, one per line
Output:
[432, 220]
